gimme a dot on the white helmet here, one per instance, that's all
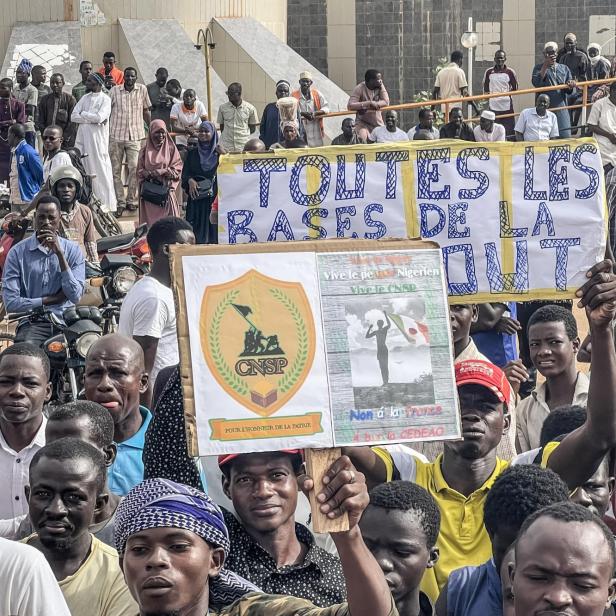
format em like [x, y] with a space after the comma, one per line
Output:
[66, 172]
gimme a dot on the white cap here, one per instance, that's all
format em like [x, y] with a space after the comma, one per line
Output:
[488, 115]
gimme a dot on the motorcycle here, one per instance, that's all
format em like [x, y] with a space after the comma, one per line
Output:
[123, 260]
[133, 244]
[67, 350]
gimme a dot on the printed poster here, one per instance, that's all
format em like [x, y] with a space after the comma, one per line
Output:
[258, 356]
[388, 345]
[300, 349]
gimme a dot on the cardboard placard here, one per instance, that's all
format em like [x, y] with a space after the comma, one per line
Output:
[313, 345]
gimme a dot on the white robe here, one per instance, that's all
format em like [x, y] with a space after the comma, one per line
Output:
[92, 113]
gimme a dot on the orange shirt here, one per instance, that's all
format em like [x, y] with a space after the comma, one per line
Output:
[116, 73]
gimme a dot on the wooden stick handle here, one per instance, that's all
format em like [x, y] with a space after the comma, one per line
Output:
[317, 463]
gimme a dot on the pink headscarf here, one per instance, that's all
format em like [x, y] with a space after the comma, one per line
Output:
[166, 155]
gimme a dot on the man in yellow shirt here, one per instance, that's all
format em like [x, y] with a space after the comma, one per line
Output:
[461, 477]
[67, 488]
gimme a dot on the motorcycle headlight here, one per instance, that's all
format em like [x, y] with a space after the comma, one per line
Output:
[83, 344]
[124, 279]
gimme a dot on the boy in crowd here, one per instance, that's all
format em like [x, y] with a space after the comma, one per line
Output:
[553, 342]
[412, 519]
[518, 493]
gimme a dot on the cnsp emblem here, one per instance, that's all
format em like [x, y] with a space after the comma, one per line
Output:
[258, 339]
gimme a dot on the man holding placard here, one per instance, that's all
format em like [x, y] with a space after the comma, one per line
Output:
[461, 478]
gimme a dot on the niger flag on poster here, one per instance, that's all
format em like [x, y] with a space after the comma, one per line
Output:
[414, 331]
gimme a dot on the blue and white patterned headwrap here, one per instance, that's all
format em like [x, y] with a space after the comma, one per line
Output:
[161, 503]
[25, 65]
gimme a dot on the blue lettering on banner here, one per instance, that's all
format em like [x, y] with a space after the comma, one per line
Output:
[425, 231]
[461, 288]
[322, 164]
[360, 178]
[529, 171]
[265, 166]
[238, 221]
[593, 174]
[562, 256]
[544, 217]
[480, 177]
[506, 230]
[559, 153]
[344, 223]
[512, 282]
[427, 173]
[281, 225]
[391, 180]
[316, 212]
[457, 216]
[376, 224]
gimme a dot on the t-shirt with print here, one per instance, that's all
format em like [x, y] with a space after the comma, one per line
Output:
[148, 310]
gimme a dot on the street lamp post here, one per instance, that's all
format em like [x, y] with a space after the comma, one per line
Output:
[206, 52]
[469, 41]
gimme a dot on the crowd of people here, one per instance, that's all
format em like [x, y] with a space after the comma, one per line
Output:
[104, 513]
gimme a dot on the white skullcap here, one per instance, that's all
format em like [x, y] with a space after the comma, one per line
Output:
[488, 115]
[551, 44]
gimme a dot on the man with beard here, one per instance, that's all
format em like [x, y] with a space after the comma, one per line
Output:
[67, 489]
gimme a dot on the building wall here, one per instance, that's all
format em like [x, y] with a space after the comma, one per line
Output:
[407, 38]
[307, 29]
[341, 43]
[95, 40]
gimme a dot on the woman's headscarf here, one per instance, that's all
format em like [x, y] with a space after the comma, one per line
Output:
[160, 157]
[161, 503]
[208, 154]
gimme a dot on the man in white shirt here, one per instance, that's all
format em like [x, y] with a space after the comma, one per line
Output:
[148, 310]
[487, 129]
[390, 132]
[24, 390]
[537, 123]
[602, 123]
[29, 587]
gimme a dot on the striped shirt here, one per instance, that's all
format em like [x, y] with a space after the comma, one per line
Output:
[126, 120]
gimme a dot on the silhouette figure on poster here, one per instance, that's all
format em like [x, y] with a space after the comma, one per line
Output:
[382, 352]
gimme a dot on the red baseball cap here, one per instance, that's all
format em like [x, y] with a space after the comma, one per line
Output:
[227, 457]
[484, 373]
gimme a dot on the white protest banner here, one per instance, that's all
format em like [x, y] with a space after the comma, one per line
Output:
[314, 344]
[515, 221]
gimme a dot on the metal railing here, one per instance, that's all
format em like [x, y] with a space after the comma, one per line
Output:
[449, 102]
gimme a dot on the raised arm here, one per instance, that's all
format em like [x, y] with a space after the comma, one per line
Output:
[369, 463]
[581, 452]
[345, 491]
